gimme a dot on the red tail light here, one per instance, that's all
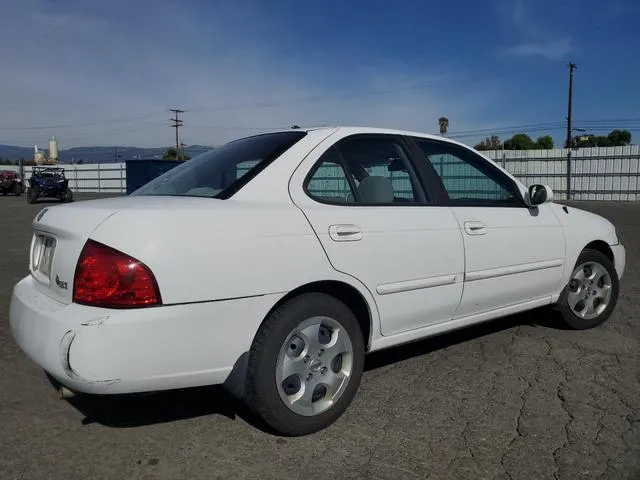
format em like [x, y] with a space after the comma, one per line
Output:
[108, 278]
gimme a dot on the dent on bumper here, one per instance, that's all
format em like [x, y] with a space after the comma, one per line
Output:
[65, 354]
[96, 350]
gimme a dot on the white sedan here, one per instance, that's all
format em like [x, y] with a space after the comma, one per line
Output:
[274, 263]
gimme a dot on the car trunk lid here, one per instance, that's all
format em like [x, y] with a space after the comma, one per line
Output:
[59, 235]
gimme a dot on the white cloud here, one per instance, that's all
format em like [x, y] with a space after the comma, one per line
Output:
[73, 63]
[534, 35]
[555, 49]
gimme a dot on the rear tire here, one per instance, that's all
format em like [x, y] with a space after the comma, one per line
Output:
[305, 365]
[592, 292]
[32, 195]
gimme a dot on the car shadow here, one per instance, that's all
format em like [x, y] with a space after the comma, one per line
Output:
[542, 318]
[47, 201]
[135, 410]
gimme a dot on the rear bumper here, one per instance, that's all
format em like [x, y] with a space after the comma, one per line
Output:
[620, 258]
[105, 351]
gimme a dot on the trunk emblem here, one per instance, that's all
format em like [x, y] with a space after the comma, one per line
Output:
[61, 284]
[41, 214]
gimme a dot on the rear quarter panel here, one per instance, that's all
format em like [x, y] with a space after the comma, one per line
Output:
[224, 250]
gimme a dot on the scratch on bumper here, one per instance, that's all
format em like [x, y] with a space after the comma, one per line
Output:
[95, 322]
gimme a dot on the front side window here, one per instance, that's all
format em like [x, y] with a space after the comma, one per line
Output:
[367, 170]
[466, 178]
[221, 172]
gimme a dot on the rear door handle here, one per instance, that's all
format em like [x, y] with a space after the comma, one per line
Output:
[475, 228]
[345, 233]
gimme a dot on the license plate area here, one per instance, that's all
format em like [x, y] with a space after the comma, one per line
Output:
[42, 256]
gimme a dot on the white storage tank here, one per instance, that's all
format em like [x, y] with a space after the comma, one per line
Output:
[53, 149]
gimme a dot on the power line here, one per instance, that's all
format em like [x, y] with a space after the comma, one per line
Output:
[120, 130]
[102, 134]
[230, 127]
[510, 127]
[470, 135]
[611, 120]
[81, 124]
[316, 99]
[605, 125]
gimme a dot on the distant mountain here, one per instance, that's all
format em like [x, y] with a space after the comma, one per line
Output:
[15, 153]
[98, 154]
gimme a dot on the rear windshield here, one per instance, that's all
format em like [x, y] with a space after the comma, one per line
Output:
[221, 172]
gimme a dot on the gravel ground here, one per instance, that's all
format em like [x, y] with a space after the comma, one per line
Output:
[517, 398]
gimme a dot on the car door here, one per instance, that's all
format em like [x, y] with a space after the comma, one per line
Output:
[374, 219]
[513, 254]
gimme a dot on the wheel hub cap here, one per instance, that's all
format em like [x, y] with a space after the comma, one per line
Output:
[314, 366]
[589, 290]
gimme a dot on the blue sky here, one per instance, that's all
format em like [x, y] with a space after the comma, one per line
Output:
[105, 73]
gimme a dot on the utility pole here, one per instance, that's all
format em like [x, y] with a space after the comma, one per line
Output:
[569, 143]
[177, 123]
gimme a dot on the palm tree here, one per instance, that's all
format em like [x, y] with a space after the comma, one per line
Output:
[444, 125]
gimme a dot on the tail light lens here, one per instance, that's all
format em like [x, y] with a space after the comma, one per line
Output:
[108, 278]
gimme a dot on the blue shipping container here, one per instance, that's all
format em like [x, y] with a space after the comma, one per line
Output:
[141, 172]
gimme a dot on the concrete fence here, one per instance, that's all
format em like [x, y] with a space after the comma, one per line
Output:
[611, 173]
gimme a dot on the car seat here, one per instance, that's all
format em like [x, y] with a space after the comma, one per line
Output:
[375, 189]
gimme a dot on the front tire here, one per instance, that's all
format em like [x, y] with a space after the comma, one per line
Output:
[592, 293]
[66, 196]
[305, 364]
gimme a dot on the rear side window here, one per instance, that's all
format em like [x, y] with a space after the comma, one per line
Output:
[365, 170]
[328, 181]
[221, 172]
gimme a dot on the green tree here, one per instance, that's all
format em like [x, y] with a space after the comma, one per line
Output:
[520, 141]
[172, 154]
[619, 137]
[545, 142]
[490, 143]
[601, 141]
[616, 138]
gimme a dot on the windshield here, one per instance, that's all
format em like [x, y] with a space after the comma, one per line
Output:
[221, 172]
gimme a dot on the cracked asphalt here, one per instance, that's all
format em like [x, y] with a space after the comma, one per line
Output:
[517, 398]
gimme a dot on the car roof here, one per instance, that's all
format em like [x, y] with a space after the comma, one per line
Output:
[352, 130]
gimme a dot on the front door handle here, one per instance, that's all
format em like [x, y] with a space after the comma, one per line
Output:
[475, 228]
[345, 233]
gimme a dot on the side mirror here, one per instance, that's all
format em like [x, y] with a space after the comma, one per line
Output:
[539, 194]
